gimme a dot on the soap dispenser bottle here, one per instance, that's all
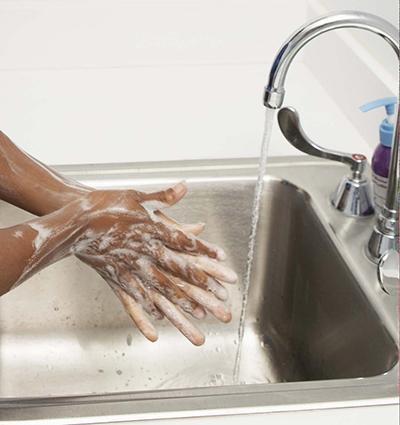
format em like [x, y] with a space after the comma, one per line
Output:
[381, 157]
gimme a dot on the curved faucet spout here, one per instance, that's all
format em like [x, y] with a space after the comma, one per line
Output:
[275, 89]
[386, 232]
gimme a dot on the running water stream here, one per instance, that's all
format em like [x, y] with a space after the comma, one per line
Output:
[269, 120]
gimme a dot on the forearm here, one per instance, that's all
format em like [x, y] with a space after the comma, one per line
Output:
[31, 185]
[27, 248]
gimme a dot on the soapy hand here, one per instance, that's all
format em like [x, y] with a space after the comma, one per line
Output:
[155, 266]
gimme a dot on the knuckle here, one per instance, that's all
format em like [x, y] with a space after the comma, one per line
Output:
[168, 196]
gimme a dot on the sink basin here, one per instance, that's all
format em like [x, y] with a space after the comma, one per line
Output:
[311, 316]
[316, 317]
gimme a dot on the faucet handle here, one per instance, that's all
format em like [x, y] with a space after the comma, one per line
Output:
[353, 195]
[289, 122]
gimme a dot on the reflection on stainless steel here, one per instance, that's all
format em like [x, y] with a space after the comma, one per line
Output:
[317, 319]
[388, 272]
[385, 235]
[353, 196]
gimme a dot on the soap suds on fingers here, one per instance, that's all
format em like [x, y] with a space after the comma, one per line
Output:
[156, 268]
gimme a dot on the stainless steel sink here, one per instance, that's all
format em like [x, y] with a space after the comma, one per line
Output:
[318, 327]
[312, 317]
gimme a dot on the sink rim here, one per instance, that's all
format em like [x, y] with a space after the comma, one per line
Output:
[240, 399]
[217, 390]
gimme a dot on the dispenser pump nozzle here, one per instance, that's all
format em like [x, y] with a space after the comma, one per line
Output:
[386, 128]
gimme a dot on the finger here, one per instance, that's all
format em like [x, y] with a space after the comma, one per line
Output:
[194, 229]
[135, 288]
[216, 307]
[182, 241]
[136, 313]
[176, 317]
[116, 271]
[176, 239]
[179, 266]
[159, 280]
[212, 267]
[164, 198]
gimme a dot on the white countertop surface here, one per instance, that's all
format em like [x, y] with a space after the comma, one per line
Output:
[367, 415]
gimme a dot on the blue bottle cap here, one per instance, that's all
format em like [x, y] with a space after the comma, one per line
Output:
[386, 129]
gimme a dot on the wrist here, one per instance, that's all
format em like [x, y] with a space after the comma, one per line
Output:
[59, 230]
[43, 241]
[66, 195]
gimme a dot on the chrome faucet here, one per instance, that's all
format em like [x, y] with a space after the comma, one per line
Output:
[385, 236]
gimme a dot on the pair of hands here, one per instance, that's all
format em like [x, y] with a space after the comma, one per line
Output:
[156, 267]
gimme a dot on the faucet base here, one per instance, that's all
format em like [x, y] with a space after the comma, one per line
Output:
[385, 236]
[379, 244]
[353, 198]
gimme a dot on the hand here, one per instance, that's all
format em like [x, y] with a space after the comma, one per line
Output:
[155, 266]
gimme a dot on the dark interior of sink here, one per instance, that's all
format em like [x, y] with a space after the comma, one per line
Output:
[312, 317]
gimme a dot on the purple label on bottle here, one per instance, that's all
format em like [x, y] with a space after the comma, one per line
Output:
[380, 190]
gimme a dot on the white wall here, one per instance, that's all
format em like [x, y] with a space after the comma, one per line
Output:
[116, 80]
[86, 81]
[387, 9]
[355, 66]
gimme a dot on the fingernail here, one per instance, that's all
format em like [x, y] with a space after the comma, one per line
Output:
[196, 226]
[226, 317]
[151, 336]
[195, 229]
[199, 226]
[199, 313]
[230, 276]
[180, 188]
[221, 254]
[220, 292]
[198, 339]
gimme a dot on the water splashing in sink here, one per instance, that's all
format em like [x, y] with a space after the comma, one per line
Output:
[269, 120]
